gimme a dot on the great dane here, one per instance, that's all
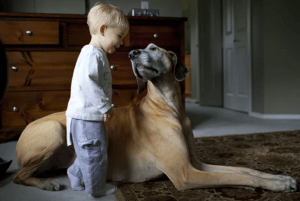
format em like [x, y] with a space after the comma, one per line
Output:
[147, 140]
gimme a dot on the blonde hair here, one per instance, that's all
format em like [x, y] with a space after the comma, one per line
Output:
[107, 14]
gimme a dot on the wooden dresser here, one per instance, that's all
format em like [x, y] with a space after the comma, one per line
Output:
[43, 48]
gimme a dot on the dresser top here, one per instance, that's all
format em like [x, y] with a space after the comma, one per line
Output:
[78, 16]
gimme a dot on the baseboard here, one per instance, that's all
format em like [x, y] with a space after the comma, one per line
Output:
[191, 100]
[275, 116]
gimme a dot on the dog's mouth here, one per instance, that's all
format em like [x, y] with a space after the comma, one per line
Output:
[142, 70]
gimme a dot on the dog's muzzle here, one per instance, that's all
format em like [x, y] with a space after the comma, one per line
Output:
[133, 54]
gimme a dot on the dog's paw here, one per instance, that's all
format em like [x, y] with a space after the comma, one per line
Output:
[294, 184]
[290, 186]
[291, 183]
[52, 185]
[287, 185]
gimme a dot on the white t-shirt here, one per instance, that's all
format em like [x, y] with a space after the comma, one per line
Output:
[91, 88]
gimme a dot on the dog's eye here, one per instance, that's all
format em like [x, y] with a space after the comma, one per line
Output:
[154, 49]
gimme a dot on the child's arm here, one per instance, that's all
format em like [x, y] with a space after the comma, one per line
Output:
[89, 82]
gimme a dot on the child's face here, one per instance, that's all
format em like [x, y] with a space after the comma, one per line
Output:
[112, 38]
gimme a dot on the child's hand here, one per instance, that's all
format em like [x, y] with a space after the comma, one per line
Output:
[108, 115]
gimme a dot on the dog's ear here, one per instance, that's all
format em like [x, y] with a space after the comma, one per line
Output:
[180, 71]
[141, 85]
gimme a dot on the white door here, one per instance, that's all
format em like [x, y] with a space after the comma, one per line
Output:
[236, 55]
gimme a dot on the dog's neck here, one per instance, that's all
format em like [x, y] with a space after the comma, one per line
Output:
[165, 93]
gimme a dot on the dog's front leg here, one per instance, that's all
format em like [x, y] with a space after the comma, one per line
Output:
[216, 179]
[256, 175]
[229, 169]
[185, 177]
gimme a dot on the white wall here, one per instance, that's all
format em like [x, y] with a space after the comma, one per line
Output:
[167, 8]
[59, 6]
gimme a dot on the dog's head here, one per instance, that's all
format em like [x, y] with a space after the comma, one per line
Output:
[153, 62]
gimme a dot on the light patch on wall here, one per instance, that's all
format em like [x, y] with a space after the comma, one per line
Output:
[58, 6]
[22, 6]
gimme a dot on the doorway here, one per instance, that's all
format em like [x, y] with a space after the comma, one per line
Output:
[225, 54]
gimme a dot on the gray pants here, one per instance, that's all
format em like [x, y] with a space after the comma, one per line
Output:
[89, 139]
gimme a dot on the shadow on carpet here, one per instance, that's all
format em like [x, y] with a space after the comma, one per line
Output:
[274, 153]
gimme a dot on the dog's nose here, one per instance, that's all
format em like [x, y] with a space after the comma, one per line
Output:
[133, 54]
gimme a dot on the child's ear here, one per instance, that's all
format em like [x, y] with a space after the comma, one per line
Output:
[102, 29]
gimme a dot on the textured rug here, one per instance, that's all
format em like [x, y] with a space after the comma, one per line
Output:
[275, 153]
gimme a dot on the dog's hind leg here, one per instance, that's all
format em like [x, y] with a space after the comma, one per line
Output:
[26, 177]
[36, 157]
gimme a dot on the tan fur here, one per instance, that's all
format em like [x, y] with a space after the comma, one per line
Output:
[146, 140]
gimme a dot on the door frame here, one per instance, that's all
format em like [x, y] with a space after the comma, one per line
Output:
[249, 53]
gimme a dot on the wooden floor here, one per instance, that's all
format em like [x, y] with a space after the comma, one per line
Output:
[7, 135]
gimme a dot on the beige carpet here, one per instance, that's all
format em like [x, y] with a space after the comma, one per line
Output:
[275, 153]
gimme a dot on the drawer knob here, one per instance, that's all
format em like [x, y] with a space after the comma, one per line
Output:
[29, 33]
[155, 35]
[113, 68]
[14, 68]
[113, 105]
[15, 109]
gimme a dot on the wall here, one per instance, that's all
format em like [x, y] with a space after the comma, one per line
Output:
[276, 62]
[167, 8]
[281, 56]
[257, 33]
[187, 7]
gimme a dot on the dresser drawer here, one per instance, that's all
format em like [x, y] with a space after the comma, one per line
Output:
[121, 70]
[29, 32]
[142, 35]
[56, 68]
[78, 34]
[21, 108]
[41, 68]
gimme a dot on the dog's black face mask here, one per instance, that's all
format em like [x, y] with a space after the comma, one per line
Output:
[152, 62]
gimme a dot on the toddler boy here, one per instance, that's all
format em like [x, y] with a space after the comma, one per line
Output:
[90, 102]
